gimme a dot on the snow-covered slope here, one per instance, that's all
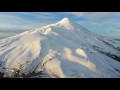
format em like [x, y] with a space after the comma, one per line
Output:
[63, 49]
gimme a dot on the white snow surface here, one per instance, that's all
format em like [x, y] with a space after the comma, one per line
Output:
[62, 50]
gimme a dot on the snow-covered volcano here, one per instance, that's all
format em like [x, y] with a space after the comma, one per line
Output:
[63, 49]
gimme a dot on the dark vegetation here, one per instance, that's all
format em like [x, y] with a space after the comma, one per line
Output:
[1, 74]
[16, 72]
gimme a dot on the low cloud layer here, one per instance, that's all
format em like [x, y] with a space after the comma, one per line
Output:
[9, 33]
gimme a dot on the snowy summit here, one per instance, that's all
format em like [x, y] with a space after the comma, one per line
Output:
[61, 50]
[66, 21]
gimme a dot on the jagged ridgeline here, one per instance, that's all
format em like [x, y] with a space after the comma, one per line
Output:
[61, 50]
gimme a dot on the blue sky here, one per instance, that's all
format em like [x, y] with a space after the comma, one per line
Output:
[104, 23]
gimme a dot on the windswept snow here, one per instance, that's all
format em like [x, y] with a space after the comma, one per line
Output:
[81, 52]
[63, 49]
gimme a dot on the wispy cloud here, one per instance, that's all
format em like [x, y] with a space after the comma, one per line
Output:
[23, 20]
[104, 23]
[97, 16]
[99, 22]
